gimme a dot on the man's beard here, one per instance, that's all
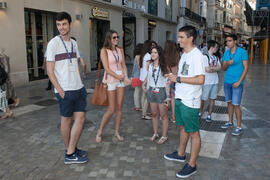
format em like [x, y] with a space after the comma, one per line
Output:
[65, 33]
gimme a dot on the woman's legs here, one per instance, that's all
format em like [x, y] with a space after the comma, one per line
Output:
[120, 91]
[137, 97]
[106, 117]
[155, 114]
[164, 116]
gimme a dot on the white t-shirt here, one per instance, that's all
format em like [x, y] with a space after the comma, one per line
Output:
[191, 64]
[66, 71]
[161, 80]
[143, 70]
[211, 78]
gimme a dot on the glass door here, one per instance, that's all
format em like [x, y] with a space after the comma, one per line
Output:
[39, 29]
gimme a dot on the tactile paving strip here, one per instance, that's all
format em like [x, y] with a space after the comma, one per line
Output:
[220, 110]
[214, 126]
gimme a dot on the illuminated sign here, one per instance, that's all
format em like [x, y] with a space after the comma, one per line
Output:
[97, 12]
[152, 23]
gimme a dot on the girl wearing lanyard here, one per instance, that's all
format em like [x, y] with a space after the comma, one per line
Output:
[158, 93]
[116, 78]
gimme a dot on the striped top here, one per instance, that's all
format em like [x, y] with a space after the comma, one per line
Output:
[66, 70]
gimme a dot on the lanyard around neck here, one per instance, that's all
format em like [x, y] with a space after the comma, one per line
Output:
[69, 54]
[153, 74]
[116, 57]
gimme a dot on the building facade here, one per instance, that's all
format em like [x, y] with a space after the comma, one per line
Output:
[27, 25]
[193, 12]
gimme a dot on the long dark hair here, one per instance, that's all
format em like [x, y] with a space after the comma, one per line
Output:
[138, 49]
[108, 39]
[171, 53]
[162, 61]
[146, 49]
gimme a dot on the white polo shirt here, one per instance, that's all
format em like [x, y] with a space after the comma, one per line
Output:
[66, 70]
[191, 64]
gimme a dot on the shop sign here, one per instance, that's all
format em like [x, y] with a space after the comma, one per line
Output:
[101, 13]
[152, 23]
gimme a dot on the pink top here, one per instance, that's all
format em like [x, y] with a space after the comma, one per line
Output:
[114, 62]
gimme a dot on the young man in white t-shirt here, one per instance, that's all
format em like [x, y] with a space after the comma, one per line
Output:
[63, 71]
[188, 92]
[210, 88]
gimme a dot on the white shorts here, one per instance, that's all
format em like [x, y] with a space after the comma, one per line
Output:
[114, 85]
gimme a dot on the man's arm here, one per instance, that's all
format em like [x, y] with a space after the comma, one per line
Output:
[50, 71]
[83, 65]
[197, 80]
[226, 64]
[244, 73]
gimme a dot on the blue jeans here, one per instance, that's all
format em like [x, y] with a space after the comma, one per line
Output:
[232, 94]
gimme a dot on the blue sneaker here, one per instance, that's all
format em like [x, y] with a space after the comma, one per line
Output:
[80, 152]
[208, 118]
[237, 131]
[175, 157]
[75, 159]
[227, 125]
[186, 171]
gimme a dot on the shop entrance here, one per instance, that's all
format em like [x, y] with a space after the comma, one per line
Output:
[98, 29]
[129, 38]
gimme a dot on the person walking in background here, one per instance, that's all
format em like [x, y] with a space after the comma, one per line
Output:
[49, 87]
[136, 82]
[145, 59]
[235, 65]
[158, 93]
[116, 78]
[210, 88]
[172, 57]
[63, 71]
[3, 100]
[188, 92]
[82, 62]
[11, 96]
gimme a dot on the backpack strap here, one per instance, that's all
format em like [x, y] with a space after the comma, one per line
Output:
[208, 59]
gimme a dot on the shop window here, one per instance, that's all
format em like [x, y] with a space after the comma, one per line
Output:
[168, 35]
[39, 29]
[152, 7]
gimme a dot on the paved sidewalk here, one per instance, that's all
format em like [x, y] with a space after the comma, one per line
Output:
[32, 148]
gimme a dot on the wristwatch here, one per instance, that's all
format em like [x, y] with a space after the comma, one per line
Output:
[178, 79]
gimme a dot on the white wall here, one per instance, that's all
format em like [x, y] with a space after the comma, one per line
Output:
[12, 36]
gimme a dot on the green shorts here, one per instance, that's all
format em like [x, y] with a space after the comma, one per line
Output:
[186, 116]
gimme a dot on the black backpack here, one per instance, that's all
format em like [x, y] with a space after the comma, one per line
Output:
[3, 76]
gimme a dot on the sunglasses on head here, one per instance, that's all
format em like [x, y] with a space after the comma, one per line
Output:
[114, 37]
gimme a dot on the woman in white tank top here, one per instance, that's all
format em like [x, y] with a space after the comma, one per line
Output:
[157, 88]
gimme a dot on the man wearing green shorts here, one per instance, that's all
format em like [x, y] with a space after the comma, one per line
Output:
[188, 93]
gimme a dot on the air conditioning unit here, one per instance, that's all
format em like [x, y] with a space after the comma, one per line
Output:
[3, 5]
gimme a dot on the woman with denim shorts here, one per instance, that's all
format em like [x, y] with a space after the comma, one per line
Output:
[158, 92]
[116, 78]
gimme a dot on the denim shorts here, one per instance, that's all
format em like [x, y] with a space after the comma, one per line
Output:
[232, 94]
[159, 97]
[114, 85]
[74, 101]
[209, 91]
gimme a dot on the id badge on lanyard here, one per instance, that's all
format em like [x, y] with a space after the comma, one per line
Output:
[155, 90]
[71, 66]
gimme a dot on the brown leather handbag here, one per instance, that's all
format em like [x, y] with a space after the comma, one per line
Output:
[99, 96]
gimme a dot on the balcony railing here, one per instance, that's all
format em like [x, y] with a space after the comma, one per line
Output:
[188, 13]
